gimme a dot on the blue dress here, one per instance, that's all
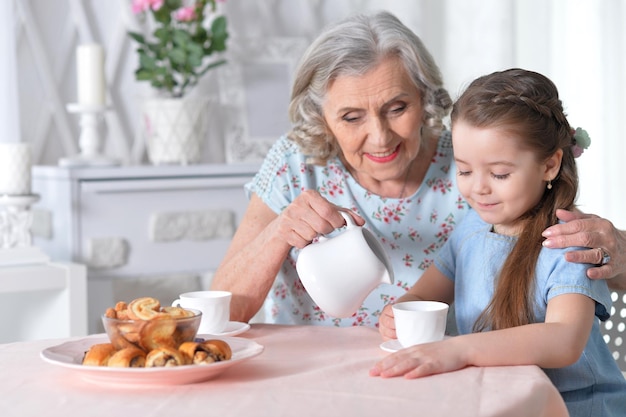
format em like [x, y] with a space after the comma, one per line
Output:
[411, 229]
[593, 386]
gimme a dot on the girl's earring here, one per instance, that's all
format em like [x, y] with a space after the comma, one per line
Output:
[549, 186]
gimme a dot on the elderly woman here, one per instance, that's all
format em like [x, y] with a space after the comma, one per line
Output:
[367, 137]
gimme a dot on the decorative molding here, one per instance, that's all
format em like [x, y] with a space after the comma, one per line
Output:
[14, 229]
[107, 252]
[192, 225]
[16, 220]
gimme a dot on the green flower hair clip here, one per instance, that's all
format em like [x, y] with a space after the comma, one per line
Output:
[581, 141]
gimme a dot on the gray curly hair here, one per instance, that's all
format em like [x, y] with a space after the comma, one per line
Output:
[353, 47]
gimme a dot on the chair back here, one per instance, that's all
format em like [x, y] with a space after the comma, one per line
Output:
[614, 329]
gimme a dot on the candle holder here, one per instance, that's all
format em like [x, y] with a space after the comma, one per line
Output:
[16, 219]
[89, 141]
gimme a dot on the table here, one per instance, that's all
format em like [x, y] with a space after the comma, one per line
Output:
[303, 371]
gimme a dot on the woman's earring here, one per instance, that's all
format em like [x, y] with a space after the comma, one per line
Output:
[549, 186]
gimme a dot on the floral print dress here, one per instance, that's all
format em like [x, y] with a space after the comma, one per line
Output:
[411, 229]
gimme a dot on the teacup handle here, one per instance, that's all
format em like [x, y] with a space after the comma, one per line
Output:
[176, 303]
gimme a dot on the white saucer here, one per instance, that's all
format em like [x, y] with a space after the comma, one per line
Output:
[233, 328]
[392, 345]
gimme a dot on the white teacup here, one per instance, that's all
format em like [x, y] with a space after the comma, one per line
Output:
[420, 321]
[340, 272]
[214, 305]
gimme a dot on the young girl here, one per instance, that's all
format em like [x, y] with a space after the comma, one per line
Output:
[516, 302]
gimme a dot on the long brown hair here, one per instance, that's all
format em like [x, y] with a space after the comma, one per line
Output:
[527, 105]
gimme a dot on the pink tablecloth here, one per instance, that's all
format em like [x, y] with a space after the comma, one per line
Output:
[303, 371]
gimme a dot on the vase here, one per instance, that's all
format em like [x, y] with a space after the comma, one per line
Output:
[175, 129]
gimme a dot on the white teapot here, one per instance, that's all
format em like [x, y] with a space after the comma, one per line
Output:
[340, 272]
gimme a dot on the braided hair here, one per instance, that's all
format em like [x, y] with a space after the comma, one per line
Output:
[527, 105]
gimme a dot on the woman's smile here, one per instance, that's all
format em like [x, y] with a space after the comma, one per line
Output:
[382, 157]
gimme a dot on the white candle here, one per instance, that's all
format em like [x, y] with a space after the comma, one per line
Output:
[9, 103]
[15, 168]
[90, 74]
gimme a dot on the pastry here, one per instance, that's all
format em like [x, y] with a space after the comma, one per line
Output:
[144, 308]
[99, 354]
[165, 356]
[177, 312]
[131, 357]
[206, 352]
[110, 313]
[219, 349]
[158, 332]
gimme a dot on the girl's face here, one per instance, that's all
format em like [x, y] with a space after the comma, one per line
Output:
[497, 177]
[376, 119]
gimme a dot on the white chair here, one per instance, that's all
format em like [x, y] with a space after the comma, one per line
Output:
[614, 329]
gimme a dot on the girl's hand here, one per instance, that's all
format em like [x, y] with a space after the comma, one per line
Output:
[387, 324]
[422, 360]
[591, 231]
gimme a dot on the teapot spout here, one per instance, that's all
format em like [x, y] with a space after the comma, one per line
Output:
[388, 277]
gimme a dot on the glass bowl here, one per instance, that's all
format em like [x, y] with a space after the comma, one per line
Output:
[147, 335]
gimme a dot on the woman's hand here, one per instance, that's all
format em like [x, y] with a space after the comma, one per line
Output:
[422, 360]
[594, 232]
[308, 216]
[263, 241]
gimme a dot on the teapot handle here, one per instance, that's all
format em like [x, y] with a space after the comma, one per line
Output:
[349, 221]
[349, 225]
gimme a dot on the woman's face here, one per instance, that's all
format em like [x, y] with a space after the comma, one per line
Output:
[376, 119]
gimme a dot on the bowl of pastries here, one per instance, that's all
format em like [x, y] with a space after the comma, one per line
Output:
[142, 333]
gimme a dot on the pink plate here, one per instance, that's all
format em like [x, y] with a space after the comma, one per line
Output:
[69, 355]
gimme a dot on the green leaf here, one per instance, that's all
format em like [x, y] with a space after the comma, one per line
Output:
[218, 30]
[173, 4]
[178, 56]
[163, 34]
[195, 49]
[194, 60]
[143, 75]
[218, 44]
[163, 15]
[201, 35]
[180, 37]
[157, 84]
[147, 61]
[138, 37]
[218, 27]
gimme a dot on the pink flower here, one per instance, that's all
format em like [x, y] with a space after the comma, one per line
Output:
[140, 6]
[185, 14]
[577, 150]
